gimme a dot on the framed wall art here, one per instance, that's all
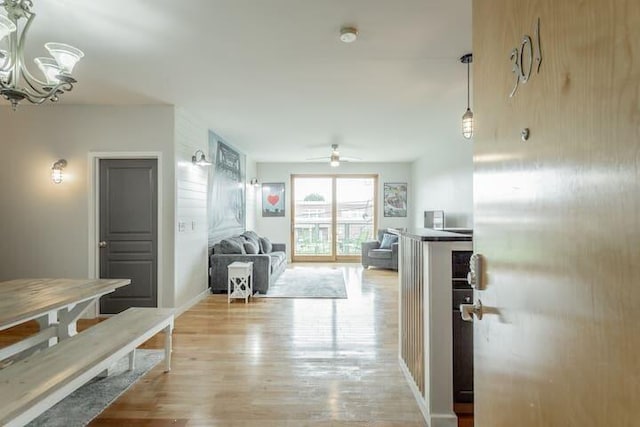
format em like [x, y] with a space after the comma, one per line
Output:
[395, 199]
[226, 201]
[273, 199]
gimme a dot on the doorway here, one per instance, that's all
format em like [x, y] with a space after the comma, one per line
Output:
[128, 231]
[331, 216]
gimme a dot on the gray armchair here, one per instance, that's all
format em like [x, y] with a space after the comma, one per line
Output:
[375, 256]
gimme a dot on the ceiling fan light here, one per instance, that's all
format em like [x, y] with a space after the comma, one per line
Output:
[65, 55]
[334, 160]
[6, 27]
[49, 68]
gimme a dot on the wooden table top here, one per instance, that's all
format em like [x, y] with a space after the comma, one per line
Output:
[25, 299]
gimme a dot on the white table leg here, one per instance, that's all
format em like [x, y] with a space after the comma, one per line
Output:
[67, 318]
[167, 347]
[247, 291]
[132, 360]
[45, 322]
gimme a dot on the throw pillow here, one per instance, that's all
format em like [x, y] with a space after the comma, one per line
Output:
[230, 246]
[239, 240]
[388, 240]
[251, 234]
[251, 248]
[265, 246]
[252, 237]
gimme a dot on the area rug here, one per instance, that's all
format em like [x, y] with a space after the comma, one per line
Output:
[86, 403]
[308, 282]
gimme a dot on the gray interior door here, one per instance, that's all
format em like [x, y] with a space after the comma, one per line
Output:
[129, 231]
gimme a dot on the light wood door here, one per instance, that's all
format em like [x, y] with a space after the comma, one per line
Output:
[558, 217]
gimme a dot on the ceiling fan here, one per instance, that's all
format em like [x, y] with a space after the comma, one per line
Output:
[334, 158]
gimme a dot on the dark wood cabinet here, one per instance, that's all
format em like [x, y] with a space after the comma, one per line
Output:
[462, 331]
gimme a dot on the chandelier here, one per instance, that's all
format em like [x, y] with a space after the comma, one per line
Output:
[16, 81]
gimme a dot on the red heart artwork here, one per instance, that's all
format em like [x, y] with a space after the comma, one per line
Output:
[273, 199]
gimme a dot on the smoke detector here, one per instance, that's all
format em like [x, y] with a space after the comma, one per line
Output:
[348, 34]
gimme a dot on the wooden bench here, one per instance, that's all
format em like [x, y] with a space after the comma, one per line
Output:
[34, 384]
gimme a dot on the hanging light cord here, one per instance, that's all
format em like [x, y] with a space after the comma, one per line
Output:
[468, 80]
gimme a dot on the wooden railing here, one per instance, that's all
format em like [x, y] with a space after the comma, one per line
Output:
[412, 309]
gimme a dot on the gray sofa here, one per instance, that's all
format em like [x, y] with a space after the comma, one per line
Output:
[375, 256]
[267, 264]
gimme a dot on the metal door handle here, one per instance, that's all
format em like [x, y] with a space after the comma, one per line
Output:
[468, 310]
[102, 244]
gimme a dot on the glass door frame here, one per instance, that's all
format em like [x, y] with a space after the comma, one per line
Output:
[334, 217]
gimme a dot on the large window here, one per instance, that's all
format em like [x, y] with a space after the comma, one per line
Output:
[332, 216]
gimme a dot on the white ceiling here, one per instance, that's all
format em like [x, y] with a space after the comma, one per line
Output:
[271, 76]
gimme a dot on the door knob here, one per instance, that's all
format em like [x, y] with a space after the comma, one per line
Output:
[102, 244]
[468, 310]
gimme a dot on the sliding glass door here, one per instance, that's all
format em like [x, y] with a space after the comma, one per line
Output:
[332, 216]
[313, 214]
[354, 214]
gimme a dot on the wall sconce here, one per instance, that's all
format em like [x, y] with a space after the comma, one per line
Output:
[56, 171]
[254, 182]
[200, 159]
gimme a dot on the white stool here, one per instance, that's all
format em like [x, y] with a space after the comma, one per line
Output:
[240, 283]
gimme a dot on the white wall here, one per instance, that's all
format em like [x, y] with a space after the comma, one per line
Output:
[191, 230]
[443, 180]
[278, 229]
[44, 228]
[191, 272]
[251, 213]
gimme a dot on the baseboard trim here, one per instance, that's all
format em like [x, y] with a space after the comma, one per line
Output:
[193, 301]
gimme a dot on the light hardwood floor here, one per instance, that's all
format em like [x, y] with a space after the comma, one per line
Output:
[280, 362]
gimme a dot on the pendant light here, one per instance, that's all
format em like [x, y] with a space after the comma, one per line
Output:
[467, 118]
